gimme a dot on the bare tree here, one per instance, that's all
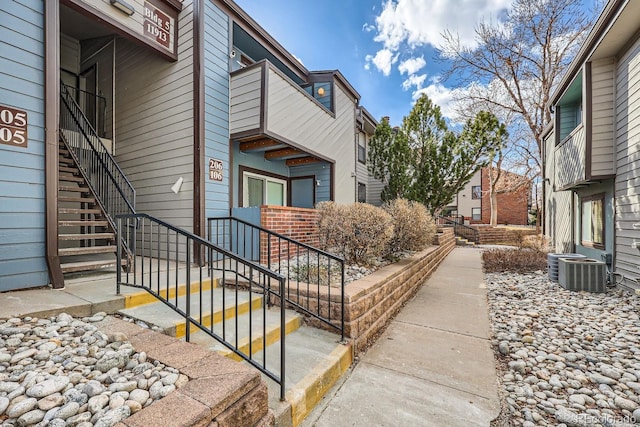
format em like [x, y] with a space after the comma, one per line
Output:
[519, 60]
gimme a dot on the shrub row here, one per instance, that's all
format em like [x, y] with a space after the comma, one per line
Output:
[361, 232]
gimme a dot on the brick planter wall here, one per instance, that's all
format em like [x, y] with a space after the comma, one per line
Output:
[492, 235]
[297, 223]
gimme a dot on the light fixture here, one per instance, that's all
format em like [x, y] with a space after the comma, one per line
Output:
[321, 91]
[317, 183]
[123, 6]
[176, 187]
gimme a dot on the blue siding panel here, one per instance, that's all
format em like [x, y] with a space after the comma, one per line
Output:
[22, 179]
[216, 114]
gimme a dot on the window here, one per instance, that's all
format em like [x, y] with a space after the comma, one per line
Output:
[569, 109]
[322, 92]
[592, 226]
[362, 150]
[362, 193]
[476, 214]
[262, 190]
[476, 192]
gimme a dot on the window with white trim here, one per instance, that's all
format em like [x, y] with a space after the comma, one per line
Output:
[260, 190]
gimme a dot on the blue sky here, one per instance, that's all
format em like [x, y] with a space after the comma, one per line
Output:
[384, 48]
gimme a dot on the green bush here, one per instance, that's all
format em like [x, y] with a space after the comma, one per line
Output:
[514, 260]
[413, 226]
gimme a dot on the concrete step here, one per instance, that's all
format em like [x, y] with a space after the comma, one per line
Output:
[315, 359]
[87, 250]
[226, 305]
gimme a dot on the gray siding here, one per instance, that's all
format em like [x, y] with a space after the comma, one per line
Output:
[570, 159]
[22, 205]
[602, 154]
[69, 54]
[293, 114]
[216, 113]
[245, 101]
[627, 182]
[154, 124]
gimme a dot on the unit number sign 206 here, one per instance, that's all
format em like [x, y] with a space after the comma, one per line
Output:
[13, 126]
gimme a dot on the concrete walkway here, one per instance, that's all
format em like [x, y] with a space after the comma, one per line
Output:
[433, 366]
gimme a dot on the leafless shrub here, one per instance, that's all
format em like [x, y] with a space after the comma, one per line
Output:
[514, 260]
[413, 226]
[360, 232]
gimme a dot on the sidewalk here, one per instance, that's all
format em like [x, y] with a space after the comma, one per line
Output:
[433, 366]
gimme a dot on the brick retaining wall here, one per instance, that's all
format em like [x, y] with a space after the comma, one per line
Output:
[493, 235]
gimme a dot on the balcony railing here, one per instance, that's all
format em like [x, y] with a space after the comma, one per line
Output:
[570, 159]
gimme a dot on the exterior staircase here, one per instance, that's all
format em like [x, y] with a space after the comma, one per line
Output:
[86, 239]
[315, 358]
[461, 241]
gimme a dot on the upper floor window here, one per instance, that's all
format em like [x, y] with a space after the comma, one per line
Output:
[362, 148]
[569, 109]
[321, 91]
[476, 192]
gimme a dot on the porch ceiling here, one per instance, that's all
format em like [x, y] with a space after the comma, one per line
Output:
[276, 150]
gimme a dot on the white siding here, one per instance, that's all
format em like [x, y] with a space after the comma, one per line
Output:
[154, 124]
[602, 154]
[22, 192]
[245, 101]
[570, 159]
[627, 183]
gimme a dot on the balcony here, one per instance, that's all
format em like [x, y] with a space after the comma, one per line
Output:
[570, 160]
[269, 109]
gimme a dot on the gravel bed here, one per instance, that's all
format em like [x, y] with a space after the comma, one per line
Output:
[565, 358]
[63, 371]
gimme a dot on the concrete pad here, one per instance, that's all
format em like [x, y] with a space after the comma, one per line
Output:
[42, 302]
[377, 396]
[459, 312]
[455, 361]
[433, 365]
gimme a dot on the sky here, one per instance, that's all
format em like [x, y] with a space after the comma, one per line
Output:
[387, 49]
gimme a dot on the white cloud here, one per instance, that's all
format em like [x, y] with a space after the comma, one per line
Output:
[368, 27]
[383, 60]
[412, 65]
[419, 22]
[414, 80]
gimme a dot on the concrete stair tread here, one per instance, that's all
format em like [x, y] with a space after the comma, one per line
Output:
[174, 324]
[270, 324]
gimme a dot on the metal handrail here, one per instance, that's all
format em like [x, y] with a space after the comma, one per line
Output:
[110, 185]
[164, 246]
[311, 273]
[460, 230]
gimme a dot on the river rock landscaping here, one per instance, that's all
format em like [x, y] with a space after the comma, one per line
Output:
[565, 358]
[63, 371]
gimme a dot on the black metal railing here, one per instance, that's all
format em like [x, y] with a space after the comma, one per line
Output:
[114, 192]
[169, 262]
[459, 229]
[314, 278]
[94, 108]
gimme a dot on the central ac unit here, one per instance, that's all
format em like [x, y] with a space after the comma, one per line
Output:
[582, 274]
